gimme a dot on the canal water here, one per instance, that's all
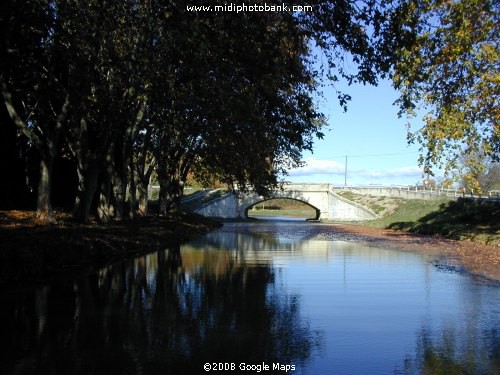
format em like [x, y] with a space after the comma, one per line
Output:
[271, 298]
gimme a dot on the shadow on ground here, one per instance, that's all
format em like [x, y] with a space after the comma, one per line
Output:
[462, 219]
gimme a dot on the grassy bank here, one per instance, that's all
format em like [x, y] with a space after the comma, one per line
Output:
[465, 219]
[283, 207]
[285, 212]
[29, 251]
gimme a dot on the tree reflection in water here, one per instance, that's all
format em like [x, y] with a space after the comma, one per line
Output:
[157, 315]
[228, 299]
[444, 356]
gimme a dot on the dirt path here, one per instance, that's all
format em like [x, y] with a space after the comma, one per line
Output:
[477, 259]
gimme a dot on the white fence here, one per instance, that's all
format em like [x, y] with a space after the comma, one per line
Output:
[418, 192]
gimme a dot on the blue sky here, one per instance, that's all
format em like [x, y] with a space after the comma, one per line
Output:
[370, 134]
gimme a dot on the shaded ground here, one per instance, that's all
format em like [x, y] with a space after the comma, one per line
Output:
[460, 256]
[32, 252]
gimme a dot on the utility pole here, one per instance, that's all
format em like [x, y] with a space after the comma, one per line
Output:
[345, 172]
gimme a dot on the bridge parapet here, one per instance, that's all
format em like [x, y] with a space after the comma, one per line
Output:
[328, 205]
[225, 207]
[417, 192]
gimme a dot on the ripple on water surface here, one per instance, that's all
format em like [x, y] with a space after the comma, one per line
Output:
[263, 293]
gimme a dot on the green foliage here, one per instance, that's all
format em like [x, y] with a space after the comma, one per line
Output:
[452, 71]
[242, 107]
[122, 87]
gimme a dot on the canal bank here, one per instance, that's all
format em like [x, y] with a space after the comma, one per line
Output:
[30, 252]
[477, 259]
[262, 293]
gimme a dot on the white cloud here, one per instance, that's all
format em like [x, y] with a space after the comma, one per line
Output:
[315, 166]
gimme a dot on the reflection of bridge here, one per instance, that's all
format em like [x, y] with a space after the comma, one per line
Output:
[255, 244]
[320, 197]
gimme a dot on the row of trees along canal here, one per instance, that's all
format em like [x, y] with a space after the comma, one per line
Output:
[114, 90]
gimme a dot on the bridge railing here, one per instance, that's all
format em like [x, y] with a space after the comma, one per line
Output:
[424, 191]
[416, 190]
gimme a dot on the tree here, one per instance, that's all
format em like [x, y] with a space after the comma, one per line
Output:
[14, 166]
[262, 116]
[104, 49]
[133, 85]
[142, 164]
[452, 71]
[253, 112]
[31, 82]
[491, 178]
[479, 180]
[234, 101]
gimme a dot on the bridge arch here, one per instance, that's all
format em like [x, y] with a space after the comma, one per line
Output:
[261, 200]
[313, 195]
[330, 205]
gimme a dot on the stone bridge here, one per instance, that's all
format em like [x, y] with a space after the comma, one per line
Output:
[321, 197]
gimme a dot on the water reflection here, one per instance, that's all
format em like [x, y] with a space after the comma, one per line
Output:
[257, 293]
[445, 356]
[167, 313]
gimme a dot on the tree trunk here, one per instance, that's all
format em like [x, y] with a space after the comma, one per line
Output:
[132, 191]
[171, 191]
[162, 197]
[119, 187]
[45, 141]
[138, 192]
[175, 192]
[87, 186]
[143, 198]
[138, 189]
[105, 210]
[44, 214]
[114, 187]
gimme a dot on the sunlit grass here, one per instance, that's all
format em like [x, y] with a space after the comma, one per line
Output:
[282, 207]
[306, 214]
[463, 219]
[408, 211]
